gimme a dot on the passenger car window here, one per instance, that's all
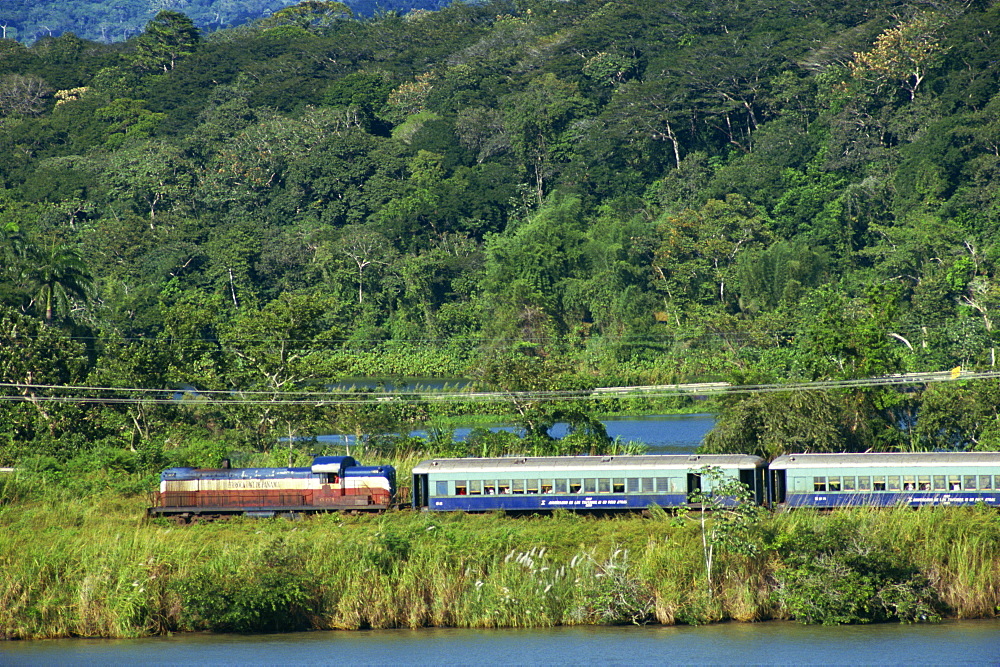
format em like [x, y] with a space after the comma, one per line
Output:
[442, 488]
[819, 483]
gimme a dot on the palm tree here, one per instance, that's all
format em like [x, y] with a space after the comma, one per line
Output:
[11, 263]
[54, 272]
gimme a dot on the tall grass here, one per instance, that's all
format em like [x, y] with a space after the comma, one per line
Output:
[97, 568]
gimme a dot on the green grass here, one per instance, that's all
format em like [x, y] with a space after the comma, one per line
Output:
[98, 568]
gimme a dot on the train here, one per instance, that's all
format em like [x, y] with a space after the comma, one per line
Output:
[582, 483]
[331, 483]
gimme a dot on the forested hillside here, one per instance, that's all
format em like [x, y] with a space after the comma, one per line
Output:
[535, 195]
[29, 20]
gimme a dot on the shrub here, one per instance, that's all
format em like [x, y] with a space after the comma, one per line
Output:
[838, 575]
[269, 593]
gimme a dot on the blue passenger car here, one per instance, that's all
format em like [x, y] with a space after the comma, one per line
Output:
[579, 483]
[915, 479]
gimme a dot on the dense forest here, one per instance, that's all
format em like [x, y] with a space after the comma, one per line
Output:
[533, 195]
[30, 20]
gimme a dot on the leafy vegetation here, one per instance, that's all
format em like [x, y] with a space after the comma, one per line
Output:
[202, 231]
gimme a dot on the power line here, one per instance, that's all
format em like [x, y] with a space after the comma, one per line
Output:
[181, 398]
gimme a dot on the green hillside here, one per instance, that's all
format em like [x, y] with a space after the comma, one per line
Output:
[535, 195]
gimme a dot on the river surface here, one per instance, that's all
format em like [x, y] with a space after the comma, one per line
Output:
[663, 434]
[781, 643]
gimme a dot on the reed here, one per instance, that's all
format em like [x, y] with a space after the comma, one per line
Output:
[98, 568]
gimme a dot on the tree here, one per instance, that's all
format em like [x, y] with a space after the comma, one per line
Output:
[150, 177]
[277, 350]
[771, 424]
[778, 275]
[528, 268]
[902, 54]
[141, 364]
[960, 416]
[697, 254]
[55, 272]
[308, 15]
[538, 121]
[728, 517]
[528, 380]
[169, 37]
[127, 119]
[653, 109]
[22, 95]
[365, 248]
[34, 357]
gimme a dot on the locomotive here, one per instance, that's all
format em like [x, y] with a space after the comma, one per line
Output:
[331, 483]
[582, 483]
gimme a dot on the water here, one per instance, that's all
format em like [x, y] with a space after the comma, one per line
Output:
[664, 434]
[951, 643]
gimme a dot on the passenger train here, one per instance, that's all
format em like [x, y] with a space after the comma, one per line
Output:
[582, 483]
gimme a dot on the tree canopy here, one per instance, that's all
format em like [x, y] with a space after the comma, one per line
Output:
[631, 193]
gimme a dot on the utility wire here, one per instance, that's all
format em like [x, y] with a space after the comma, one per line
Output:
[32, 392]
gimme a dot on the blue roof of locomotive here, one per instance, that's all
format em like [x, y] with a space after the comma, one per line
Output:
[345, 465]
[369, 471]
